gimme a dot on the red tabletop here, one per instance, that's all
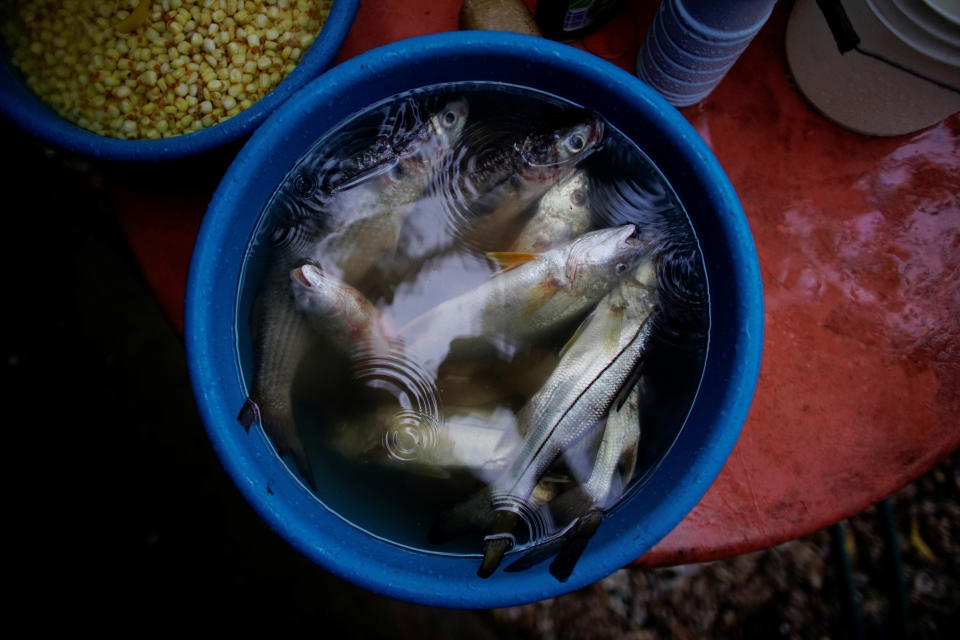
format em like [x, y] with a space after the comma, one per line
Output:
[859, 247]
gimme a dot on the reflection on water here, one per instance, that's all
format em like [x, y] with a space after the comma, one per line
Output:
[469, 281]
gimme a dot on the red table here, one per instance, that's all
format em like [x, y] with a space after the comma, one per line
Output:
[859, 247]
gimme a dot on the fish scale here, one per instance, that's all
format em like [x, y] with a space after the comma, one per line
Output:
[528, 300]
[595, 368]
[493, 182]
[562, 214]
[281, 334]
[578, 395]
[374, 208]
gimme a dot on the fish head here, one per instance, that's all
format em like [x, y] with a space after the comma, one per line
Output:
[436, 135]
[601, 258]
[419, 155]
[313, 290]
[563, 213]
[448, 122]
[569, 198]
[552, 153]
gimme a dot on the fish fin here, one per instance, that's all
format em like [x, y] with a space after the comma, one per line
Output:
[498, 542]
[507, 260]
[574, 543]
[249, 414]
[287, 445]
[540, 295]
[292, 448]
[567, 546]
[566, 507]
[494, 548]
[576, 334]
[536, 555]
[614, 328]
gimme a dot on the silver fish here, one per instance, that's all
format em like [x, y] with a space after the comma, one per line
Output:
[280, 338]
[617, 454]
[544, 160]
[281, 334]
[481, 203]
[563, 213]
[541, 293]
[593, 370]
[341, 314]
[372, 208]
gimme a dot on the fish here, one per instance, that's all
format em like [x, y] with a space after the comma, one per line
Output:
[583, 506]
[563, 213]
[534, 294]
[343, 316]
[596, 365]
[280, 337]
[370, 208]
[477, 442]
[495, 180]
[543, 160]
[617, 455]
[282, 334]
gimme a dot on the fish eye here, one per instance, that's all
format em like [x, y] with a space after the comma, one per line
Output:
[578, 197]
[397, 171]
[621, 267]
[576, 142]
[449, 119]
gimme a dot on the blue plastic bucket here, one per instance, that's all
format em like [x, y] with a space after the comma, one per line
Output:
[732, 362]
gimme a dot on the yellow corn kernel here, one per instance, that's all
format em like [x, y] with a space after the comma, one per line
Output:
[187, 53]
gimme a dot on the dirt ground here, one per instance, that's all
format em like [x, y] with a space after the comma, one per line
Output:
[129, 522]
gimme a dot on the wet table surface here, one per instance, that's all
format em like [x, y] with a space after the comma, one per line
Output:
[859, 247]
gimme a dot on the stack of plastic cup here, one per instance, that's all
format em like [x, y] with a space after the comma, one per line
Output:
[693, 43]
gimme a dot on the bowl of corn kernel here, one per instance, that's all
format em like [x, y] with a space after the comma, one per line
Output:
[153, 80]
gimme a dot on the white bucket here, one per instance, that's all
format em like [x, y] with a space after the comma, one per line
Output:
[867, 95]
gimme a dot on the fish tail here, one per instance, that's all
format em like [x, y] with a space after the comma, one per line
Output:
[494, 548]
[285, 440]
[293, 448]
[249, 414]
[535, 556]
[498, 542]
[575, 541]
